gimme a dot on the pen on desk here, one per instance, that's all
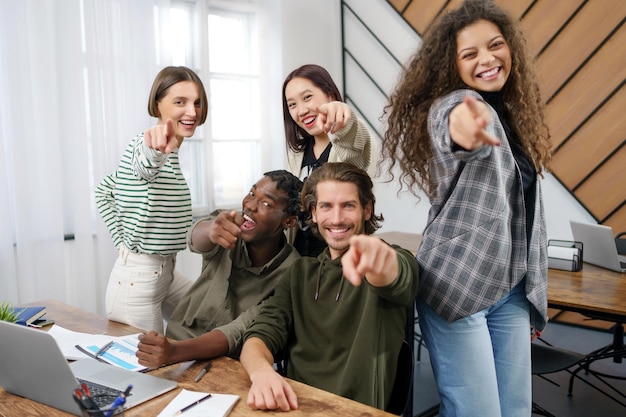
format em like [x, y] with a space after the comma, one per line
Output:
[120, 400]
[203, 371]
[104, 348]
[193, 404]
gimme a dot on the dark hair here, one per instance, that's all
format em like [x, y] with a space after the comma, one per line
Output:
[297, 138]
[292, 185]
[343, 172]
[166, 78]
[433, 73]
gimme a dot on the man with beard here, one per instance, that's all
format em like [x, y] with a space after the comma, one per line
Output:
[342, 338]
[244, 254]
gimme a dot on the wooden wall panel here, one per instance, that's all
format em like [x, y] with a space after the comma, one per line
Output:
[593, 143]
[539, 30]
[600, 77]
[607, 188]
[422, 12]
[515, 7]
[617, 221]
[577, 41]
[399, 5]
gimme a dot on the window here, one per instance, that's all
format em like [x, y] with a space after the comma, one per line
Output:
[223, 158]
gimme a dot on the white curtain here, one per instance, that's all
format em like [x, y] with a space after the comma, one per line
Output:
[74, 82]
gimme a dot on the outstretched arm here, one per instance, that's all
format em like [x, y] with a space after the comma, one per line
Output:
[269, 390]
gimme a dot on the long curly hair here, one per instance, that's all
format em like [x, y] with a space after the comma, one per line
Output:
[432, 73]
[297, 138]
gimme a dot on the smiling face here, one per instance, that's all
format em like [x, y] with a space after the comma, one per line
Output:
[182, 105]
[303, 97]
[264, 211]
[339, 214]
[483, 56]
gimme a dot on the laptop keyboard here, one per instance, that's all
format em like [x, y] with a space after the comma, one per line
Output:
[101, 394]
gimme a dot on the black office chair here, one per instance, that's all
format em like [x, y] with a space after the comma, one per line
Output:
[547, 359]
[620, 243]
[402, 390]
[401, 399]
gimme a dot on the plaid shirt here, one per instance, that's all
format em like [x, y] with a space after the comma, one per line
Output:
[475, 250]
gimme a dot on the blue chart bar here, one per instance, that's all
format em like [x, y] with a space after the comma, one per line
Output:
[119, 354]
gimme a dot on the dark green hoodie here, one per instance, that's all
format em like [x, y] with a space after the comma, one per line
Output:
[339, 338]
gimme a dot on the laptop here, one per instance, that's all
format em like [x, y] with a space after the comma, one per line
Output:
[32, 366]
[599, 246]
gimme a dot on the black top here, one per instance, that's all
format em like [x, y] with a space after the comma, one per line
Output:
[526, 168]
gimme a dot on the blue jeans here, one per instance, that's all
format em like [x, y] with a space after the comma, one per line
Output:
[482, 363]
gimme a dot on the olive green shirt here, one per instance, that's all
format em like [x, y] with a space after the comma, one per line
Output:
[228, 294]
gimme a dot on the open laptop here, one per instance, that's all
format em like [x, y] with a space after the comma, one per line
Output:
[32, 366]
[599, 246]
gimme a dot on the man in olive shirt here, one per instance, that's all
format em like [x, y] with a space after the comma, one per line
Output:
[244, 254]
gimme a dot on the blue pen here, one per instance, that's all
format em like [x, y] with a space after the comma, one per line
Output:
[121, 399]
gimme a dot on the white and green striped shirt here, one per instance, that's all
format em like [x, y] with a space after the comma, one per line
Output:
[146, 203]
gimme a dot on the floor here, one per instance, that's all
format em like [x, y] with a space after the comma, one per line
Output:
[585, 401]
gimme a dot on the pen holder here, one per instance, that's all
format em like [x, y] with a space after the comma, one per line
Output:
[117, 412]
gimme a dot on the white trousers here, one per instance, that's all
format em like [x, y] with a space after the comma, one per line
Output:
[142, 287]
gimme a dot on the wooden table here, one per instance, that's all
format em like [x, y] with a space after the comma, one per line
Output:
[226, 376]
[600, 294]
[592, 291]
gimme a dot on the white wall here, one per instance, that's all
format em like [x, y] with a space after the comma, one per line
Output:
[312, 35]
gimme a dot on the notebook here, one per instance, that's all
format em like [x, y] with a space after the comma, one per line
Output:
[599, 246]
[32, 366]
[27, 315]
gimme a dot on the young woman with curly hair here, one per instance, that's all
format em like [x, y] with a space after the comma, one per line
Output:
[466, 126]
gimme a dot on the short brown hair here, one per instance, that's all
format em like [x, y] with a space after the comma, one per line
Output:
[166, 78]
[342, 172]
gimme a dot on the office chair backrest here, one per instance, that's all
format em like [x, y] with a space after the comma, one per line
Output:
[548, 359]
[403, 384]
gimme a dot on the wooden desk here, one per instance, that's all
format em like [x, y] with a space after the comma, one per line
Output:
[593, 291]
[226, 376]
[601, 294]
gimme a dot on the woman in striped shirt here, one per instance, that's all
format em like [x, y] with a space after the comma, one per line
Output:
[146, 204]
